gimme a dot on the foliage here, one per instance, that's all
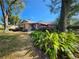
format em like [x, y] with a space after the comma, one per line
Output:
[56, 45]
[8, 8]
[66, 9]
[14, 20]
[72, 6]
[12, 6]
[74, 21]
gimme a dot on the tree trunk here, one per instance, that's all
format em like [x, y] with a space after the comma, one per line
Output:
[6, 23]
[5, 16]
[62, 22]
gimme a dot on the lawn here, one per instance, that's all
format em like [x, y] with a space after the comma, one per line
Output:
[10, 42]
[17, 45]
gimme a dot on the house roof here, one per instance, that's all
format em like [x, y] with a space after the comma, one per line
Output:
[42, 23]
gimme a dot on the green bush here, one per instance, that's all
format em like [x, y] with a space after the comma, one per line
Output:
[56, 45]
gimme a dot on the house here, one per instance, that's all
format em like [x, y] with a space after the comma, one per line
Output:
[29, 26]
[25, 26]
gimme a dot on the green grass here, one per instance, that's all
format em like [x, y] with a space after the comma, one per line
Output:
[10, 42]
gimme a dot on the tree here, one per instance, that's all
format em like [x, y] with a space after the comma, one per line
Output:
[67, 8]
[7, 7]
[14, 20]
[73, 21]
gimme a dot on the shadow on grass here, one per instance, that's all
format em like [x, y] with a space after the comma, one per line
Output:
[18, 42]
[10, 43]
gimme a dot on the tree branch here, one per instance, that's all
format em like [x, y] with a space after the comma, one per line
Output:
[12, 3]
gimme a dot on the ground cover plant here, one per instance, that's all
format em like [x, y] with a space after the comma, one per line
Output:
[56, 45]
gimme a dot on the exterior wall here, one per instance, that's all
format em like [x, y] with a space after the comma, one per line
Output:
[34, 26]
[26, 26]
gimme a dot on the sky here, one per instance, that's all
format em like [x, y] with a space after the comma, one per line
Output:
[37, 11]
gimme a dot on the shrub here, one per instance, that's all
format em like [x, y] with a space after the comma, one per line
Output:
[56, 45]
